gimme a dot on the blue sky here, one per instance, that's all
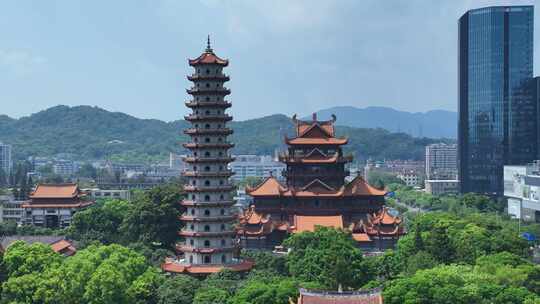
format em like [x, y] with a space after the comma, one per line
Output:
[286, 56]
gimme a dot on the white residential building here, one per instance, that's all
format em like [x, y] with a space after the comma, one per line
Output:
[410, 178]
[522, 190]
[256, 166]
[441, 161]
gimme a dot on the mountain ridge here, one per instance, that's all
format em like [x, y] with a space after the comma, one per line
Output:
[86, 132]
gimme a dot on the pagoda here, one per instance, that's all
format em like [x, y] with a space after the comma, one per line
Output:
[316, 194]
[208, 232]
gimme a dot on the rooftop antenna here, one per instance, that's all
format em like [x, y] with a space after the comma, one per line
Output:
[208, 46]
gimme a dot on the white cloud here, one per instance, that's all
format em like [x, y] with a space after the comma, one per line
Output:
[20, 62]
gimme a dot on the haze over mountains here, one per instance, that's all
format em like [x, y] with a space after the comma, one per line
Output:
[433, 124]
[90, 133]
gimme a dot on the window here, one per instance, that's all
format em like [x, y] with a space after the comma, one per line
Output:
[191, 259]
[220, 139]
[207, 212]
[194, 182]
[191, 242]
[194, 168]
[206, 228]
[207, 126]
[192, 227]
[221, 196]
[207, 183]
[206, 243]
[207, 140]
[222, 242]
[207, 85]
[222, 212]
[192, 211]
[221, 182]
[207, 98]
[222, 227]
[207, 71]
[207, 112]
[223, 258]
[207, 168]
[207, 259]
[193, 197]
[220, 154]
[207, 154]
[207, 198]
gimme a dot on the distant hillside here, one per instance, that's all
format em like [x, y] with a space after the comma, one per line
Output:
[434, 124]
[93, 133]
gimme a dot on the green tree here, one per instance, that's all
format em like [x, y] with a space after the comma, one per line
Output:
[257, 292]
[143, 290]
[87, 170]
[154, 216]
[327, 256]
[21, 258]
[100, 222]
[211, 295]
[179, 289]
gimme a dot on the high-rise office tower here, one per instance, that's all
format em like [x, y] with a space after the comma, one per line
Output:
[441, 161]
[5, 158]
[497, 110]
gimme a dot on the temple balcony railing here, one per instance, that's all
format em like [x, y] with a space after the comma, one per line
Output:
[208, 91]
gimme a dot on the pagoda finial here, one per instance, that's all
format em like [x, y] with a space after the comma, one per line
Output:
[208, 46]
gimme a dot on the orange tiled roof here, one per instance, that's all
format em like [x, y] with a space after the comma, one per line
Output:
[316, 141]
[361, 237]
[315, 133]
[269, 187]
[308, 223]
[359, 186]
[321, 297]
[76, 205]
[64, 246]
[55, 191]
[171, 266]
[383, 217]
[272, 187]
[208, 58]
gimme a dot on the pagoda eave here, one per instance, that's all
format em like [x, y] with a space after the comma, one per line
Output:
[222, 218]
[208, 77]
[188, 248]
[189, 203]
[205, 269]
[207, 174]
[193, 118]
[194, 131]
[207, 146]
[206, 234]
[217, 104]
[189, 159]
[191, 188]
[196, 91]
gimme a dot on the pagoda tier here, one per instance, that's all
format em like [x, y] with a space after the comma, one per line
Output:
[208, 232]
[316, 193]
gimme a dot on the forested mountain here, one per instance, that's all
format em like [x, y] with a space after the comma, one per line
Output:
[93, 133]
[434, 124]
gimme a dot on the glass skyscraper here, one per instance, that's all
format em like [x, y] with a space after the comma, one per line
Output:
[497, 107]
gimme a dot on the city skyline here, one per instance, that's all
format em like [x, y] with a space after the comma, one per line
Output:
[133, 59]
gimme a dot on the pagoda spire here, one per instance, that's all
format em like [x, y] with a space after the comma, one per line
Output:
[208, 46]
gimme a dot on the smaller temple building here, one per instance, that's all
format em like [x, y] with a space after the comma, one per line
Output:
[316, 194]
[372, 296]
[53, 205]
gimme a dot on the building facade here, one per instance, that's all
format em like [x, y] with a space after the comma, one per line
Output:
[208, 233]
[497, 112]
[522, 191]
[245, 166]
[410, 178]
[314, 193]
[441, 161]
[5, 158]
[11, 209]
[441, 186]
[53, 205]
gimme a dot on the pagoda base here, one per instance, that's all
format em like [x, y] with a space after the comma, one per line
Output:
[176, 266]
